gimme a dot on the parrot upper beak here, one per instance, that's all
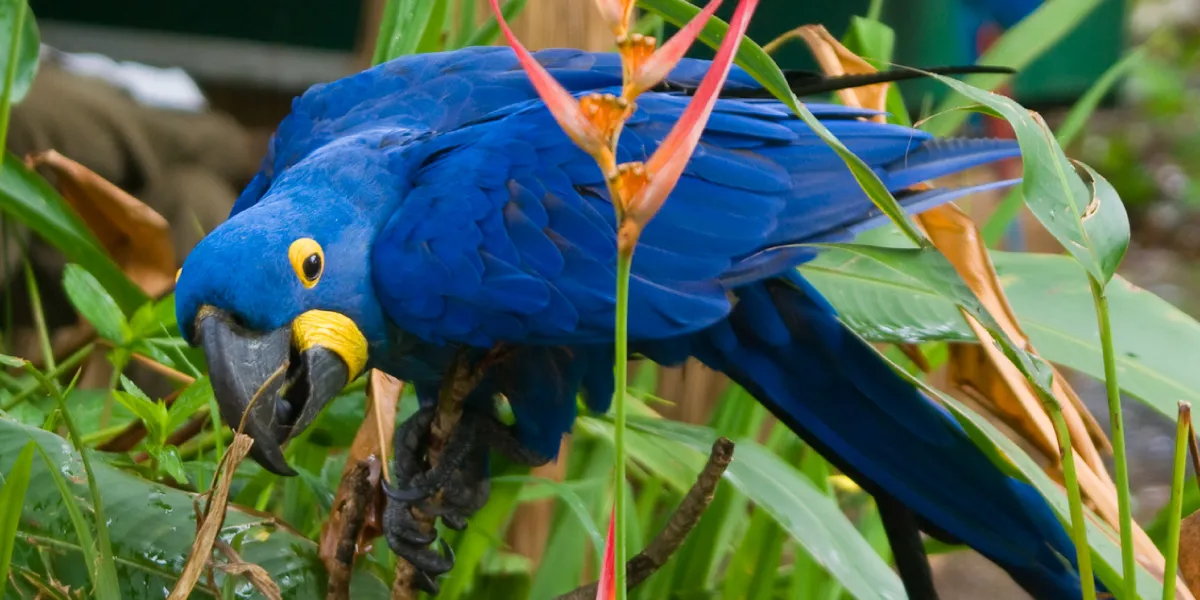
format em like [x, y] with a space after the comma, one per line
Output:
[271, 385]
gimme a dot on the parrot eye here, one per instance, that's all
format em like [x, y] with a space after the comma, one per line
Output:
[308, 260]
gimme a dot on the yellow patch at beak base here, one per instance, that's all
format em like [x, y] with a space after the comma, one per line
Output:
[333, 331]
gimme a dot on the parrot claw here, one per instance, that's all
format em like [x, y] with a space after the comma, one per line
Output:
[453, 490]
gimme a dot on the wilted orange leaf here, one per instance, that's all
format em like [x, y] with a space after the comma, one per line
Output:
[136, 237]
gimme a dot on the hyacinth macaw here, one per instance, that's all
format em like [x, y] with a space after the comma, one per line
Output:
[430, 208]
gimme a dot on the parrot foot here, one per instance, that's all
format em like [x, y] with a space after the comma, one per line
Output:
[452, 490]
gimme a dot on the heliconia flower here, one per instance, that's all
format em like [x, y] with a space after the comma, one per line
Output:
[648, 69]
[665, 167]
[566, 110]
[617, 14]
[607, 590]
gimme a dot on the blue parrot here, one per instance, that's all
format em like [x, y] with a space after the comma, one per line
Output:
[429, 213]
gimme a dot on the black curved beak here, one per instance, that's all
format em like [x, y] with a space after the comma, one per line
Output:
[266, 385]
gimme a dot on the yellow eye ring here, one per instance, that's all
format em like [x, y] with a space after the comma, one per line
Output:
[308, 260]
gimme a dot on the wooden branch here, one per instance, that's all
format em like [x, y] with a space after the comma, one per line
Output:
[350, 514]
[681, 523]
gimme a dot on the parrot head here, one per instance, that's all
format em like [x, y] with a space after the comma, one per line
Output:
[279, 297]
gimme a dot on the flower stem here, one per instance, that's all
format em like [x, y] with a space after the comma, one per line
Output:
[624, 265]
[1083, 552]
[1117, 423]
[1183, 432]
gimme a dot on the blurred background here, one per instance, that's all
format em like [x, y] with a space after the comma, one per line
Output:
[175, 102]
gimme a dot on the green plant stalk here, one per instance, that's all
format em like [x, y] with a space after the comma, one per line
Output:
[621, 508]
[875, 10]
[10, 72]
[1183, 431]
[39, 317]
[106, 576]
[67, 364]
[1083, 552]
[1117, 421]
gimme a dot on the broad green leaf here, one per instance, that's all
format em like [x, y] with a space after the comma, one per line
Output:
[1083, 213]
[1053, 303]
[1017, 48]
[29, 200]
[192, 399]
[12, 499]
[1071, 126]
[71, 503]
[95, 304]
[11, 361]
[152, 526]
[809, 516]
[18, 51]
[928, 266]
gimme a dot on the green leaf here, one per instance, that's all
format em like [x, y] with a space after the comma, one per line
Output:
[71, 503]
[809, 516]
[152, 526]
[32, 202]
[1086, 217]
[169, 461]
[95, 304]
[434, 37]
[12, 501]
[11, 361]
[1052, 300]
[153, 414]
[192, 399]
[19, 53]
[1017, 48]
[929, 266]
[1071, 126]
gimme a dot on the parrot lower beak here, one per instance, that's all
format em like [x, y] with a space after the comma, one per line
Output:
[272, 385]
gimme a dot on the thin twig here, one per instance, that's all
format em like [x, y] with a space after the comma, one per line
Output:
[214, 517]
[686, 516]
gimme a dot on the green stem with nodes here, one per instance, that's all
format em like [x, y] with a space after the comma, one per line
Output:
[621, 510]
[1183, 434]
[1117, 421]
[1083, 553]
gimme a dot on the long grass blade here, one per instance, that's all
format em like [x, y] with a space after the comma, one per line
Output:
[12, 503]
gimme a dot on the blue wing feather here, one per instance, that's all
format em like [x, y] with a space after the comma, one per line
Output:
[507, 235]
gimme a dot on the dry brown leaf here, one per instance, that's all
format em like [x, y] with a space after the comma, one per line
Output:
[835, 59]
[136, 237]
[357, 515]
[214, 517]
